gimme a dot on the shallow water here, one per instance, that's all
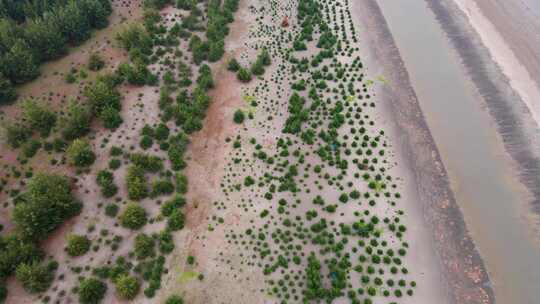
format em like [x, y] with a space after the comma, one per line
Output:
[491, 198]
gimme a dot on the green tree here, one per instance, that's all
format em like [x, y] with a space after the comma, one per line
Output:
[110, 117]
[45, 205]
[77, 121]
[80, 153]
[15, 250]
[100, 95]
[136, 183]
[176, 220]
[144, 246]
[40, 118]
[127, 286]
[35, 277]
[233, 65]
[239, 116]
[134, 216]
[7, 91]
[19, 64]
[72, 23]
[105, 179]
[91, 291]
[243, 75]
[16, 134]
[77, 245]
[45, 39]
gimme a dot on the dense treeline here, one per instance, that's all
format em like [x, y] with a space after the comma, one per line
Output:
[32, 32]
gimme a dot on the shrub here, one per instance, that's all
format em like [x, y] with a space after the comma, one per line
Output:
[144, 246]
[243, 75]
[77, 122]
[127, 286]
[175, 203]
[105, 179]
[101, 95]
[78, 245]
[136, 183]
[7, 93]
[91, 291]
[17, 134]
[239, 116]
[161, 187]
[134, 217]
[34, 277]
[110, 117]
[47, 203]
[176, 220]
[111, 210]
[181, 183]
[233, 65]
[174, 299]
[95, 62]
[146, 142]
[80, 153]
[40, 118]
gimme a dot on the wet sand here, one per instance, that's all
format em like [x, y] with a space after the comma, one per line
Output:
[463, 273]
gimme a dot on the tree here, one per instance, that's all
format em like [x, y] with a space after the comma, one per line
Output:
[216, 50]
[110, 117]
[15, 250]
[135, 37]
[176, 220]
[144, 246]
[41, 118]
[35, 277]
[243, 75]
[7, 91]
[127, 286]
[45, 205]
[257, 68]
[96, 13]
[45, 39]
[105, 179]
[233, 65]
[91, 291]
[16, 134]
[134, 216]
[77, 245]
[80, 153]
[136, 183]
[100, 95]
[19, 64]
[72, 23]
[77, 121]
[238, 116]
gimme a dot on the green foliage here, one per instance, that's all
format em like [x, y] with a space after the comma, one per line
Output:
[233, 65]
[110, 116]
[136, 183]
[15, 250]
[134, 216]
[105, 179]
[297, 114]
[144, 246]
[101, 95]
[45, 205]
[91, 291]
[77, 245]
[181, 183]
[205, 80]
[174, 299]
[40, 118]
[35, 277]
[7, 91]
[127, 287]
[19, 64]
[95, 62]
[80, 153]
[150, 163]
[16, 134]
[243, 75]
[136, 37]
[77, 121]
[111, 210]
[174, 203]
[176, 220]
[238, 116]
[162, 187]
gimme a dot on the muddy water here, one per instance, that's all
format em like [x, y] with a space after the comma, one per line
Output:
[491, 198]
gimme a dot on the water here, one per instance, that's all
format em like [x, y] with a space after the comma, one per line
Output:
[491, 199]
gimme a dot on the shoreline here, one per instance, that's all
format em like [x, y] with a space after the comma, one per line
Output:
[462, 268]
[514, 119]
